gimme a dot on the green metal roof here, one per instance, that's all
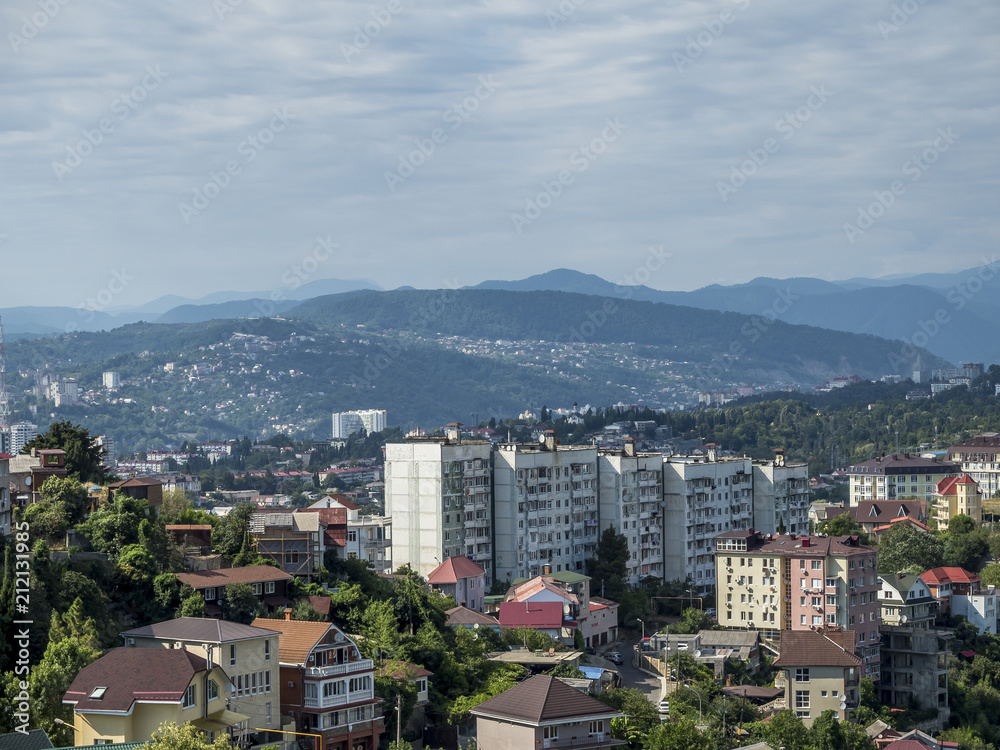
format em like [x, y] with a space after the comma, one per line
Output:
[568, 576]
[35, 739]
[115, 746]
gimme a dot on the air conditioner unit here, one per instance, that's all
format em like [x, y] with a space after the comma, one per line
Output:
[130, 641]
[291, 684]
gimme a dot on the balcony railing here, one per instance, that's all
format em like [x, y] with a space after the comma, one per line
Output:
[332, 701]
[353, 727]
[603, 739]
[331, 670]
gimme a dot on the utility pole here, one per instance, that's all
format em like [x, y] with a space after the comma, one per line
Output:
[399, 720]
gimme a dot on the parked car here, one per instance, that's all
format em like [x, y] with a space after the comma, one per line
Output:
[614, 657]
[664, 708]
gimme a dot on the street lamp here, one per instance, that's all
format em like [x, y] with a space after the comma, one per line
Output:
[699, 700]
[641, 622]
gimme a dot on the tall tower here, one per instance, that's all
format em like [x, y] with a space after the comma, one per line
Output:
[5, 440]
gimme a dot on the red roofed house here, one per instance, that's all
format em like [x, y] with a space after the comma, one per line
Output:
[543, 712]
[821, 673]
[149, 489]
[126, 694]
[267, 582]
[961, 593]
[461, 578]
[957, 496]
[545, 617]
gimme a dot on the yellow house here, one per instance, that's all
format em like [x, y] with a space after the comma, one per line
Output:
[248, 654]
[957, 496]
[128, 693]
[821, 673]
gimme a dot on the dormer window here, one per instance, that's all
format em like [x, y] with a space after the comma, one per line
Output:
[98, 693]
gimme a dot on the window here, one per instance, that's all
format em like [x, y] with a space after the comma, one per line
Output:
[232, 655]
[189, 697]
[269, 587]
[256, 588]
[239, 685]
[421, 686]
[596, 727]
[310, 690]
[267, 650]
[802, 674]
[213, 690]
[267, 681]
[209, 595]
[352, 535]
[550, 733]
[816, 565]
[268, 705]
[292, 557]
[801, 699]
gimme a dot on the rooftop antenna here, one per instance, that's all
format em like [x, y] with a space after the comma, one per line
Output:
[5, 435]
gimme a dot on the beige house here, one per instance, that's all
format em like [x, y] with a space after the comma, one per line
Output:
[821, 673]
[543, 712]
[248, 654]
[906, 600]
[957, 496]
[128, 693]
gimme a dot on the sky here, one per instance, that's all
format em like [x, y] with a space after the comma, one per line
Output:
[185, 147]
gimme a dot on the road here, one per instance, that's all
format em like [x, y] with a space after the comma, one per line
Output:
[631, 677]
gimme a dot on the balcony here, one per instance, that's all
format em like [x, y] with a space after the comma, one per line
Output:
[332, 670]
[354, 727]
[589, 741]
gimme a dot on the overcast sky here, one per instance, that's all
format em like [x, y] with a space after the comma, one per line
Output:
[450, 142]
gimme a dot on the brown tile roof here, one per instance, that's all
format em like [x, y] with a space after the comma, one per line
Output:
[454, 568]
[883, 511]
[903, 463]
[465, 616]
[402, 670]
[296, 637]
[188, 527]
[321, 604]
[335, 520]
[806, 648]
[543, 698]
[207, 629]
[203, 579]
[802, 545]
[131, 674]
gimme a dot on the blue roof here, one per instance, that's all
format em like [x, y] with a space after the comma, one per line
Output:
[592, 673]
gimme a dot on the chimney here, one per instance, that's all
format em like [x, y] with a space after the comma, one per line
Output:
[550, 440]
[630, 447]
[805, 541]
[288, 613]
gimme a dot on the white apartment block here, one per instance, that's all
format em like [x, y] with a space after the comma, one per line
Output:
[545, 505]
[703, 496]
[108, 452]
[111, 380]
[437, 491]
[898, 476]
[630, 498]
[346, 423]
[980, 459]
[780, 496]
[21, 434]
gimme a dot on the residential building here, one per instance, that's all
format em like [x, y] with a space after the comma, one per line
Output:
[248, 654]
[111, 380]
[195, 543]
[149, 489]
[872, 514]
[469, 619]
[961, 593]
[915, 668]
[821, 673]
[600, 625]
[6, 509]
[437, 491]
[269, 584]
[906, 600]
[28, 472]
[128, 693]
[712, 648]
[32, 739]
[547, 618]
[775, 583]
[980, 459]
[544, 712]
[546, 516]
[957, 496]
[187, 483]
[461, 579]
[898, 476]
[419, 678]
[22, 433]
[109, 455]
[293, 540]
[326, 687]
[346, 423]
[703, 496]
[630, 499]
[367, 537]
[781, 496]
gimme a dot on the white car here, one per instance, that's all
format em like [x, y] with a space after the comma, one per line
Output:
[614, 657]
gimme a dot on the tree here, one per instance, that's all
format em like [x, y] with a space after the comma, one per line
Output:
[231, 533]
[904, 546]
[610, 561]
[184, 737]
[966, 550]
[991, 574]
[175, 502]
[115, 526]
[192, 604]
[640, 715]
[843, 525]
[303, 610]
[784, 730]
[84, 459]
[380, 629]
[239, 603]
[676, 736]
[961, 524]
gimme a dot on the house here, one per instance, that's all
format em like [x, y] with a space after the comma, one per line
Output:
[470, 619]
[248, 654]
[543, 712]
[821, 673]
[293, 540]
[881, 733]
[149, 489]
[878, 531]
[195, 543]
[367, 537]
[326, 687]
[960, 592]
[268, 583]
[871, 514]
[906, 600]
[596, 617]
[915, 668]
[957, 496]
[545, 617]
[128, 693]
[28, 473]
[461, 579]
[898, 476]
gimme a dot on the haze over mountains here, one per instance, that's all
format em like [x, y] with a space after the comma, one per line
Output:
[951, 315]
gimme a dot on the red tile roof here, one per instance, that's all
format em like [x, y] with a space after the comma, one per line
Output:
[454, 568]
[203, 579]
[937, 576]
[525, 590]
[543, 698]
[948, 485]
[542, 615]
[131, 674]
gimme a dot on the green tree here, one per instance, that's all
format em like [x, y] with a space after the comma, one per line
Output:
[84, 458]
[784, 730]
[192, 603]
[115, 526]
[640, 718]
[905, 546]
[991, 574]
[610, 562]
[966, 550]
[961, 524]
[239, 603]
[380, 629]
[682, 735]
[232, 532]
[843, 525]
[302, 609]
[184, 737]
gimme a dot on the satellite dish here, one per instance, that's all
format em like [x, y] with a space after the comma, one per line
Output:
[842, 698]
[843, 706]
[697, 654]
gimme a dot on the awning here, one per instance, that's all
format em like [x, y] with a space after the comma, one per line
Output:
[229, 718]
[208, 725]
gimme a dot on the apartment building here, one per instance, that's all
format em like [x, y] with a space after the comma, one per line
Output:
[821, 673]
[980, 459]
[438, 493]
[915, 668]
[957, 496]
[775, 583]
[703, 496]
[906, 600]
[249, 656]
[545, 507]
[781, 496]
[22, 433]
[346, 423]
[354, 535]
[898, 476]
[630, 498]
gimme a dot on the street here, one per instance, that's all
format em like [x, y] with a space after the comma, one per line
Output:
[631, 677]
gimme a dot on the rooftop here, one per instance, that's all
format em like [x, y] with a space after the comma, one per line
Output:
[453, 569]
[202, 579]
[903, 463]
[298, 637]
[465, 616]
[202, 629]
[807, 648]
[543, 699]
[543, 615]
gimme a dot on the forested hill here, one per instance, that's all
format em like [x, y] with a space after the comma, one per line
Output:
[702, 336]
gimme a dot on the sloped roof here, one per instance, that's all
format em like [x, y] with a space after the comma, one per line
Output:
[523, 591]
[807, 648]
[35, 739]
[729, 638]
[885, 511]
[296, 637]
[131, 674]
[465, 616]
[335, 520]
[402, 670]
[202, 579]
[321, 604]
[205, 629]
[339, 499]
[543, 699]
[937, 576]
[567, 576]
[454, 568]
[901, 583]
[545, 615]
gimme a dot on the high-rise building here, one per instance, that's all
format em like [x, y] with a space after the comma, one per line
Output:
[346, 423]
[111, 380]
[21, 434]
[703, 496]
[545, 507]
[437, 491]
[108, 453]
[980, 458]
[630, 498]
[780, 496]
